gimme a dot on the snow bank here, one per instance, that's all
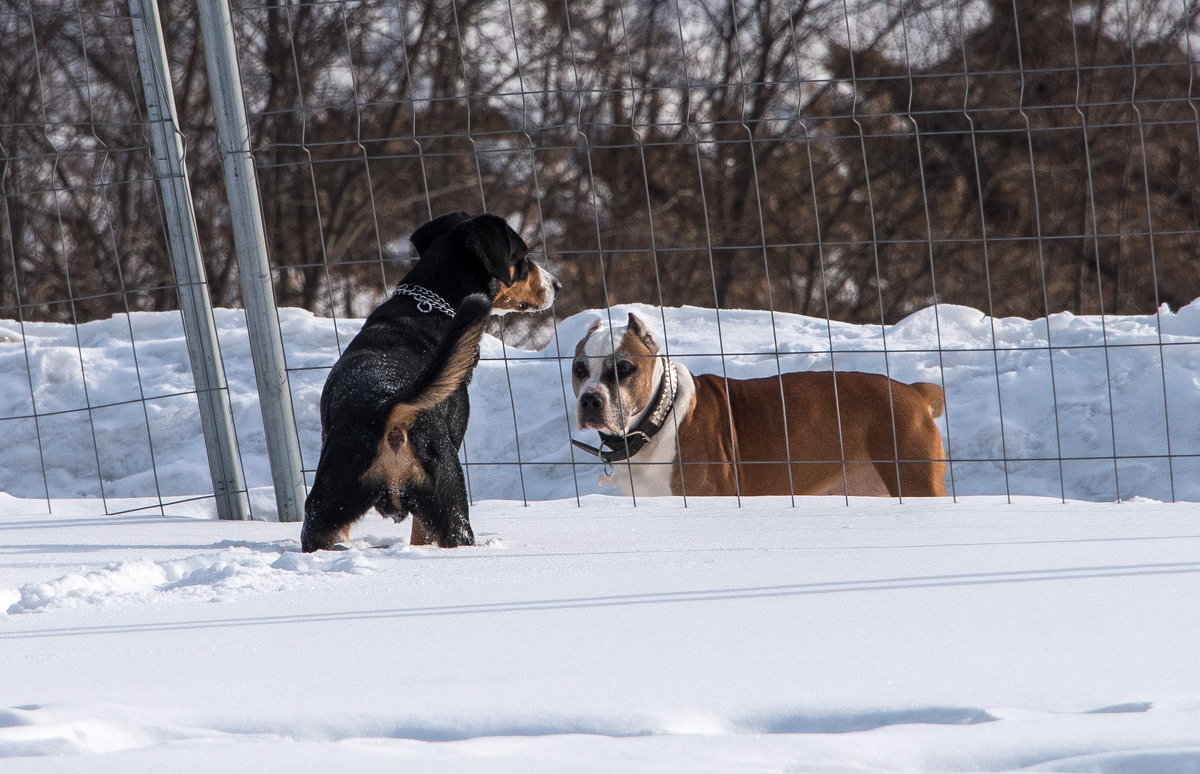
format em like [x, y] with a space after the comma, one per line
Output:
[1070, 407]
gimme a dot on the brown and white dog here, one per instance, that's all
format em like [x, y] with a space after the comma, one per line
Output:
[668, 432]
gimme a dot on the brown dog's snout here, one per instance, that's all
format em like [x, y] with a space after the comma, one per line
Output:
[591, 411]
[591, 401]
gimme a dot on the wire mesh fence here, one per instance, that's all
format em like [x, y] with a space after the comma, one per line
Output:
[996, 196]
[84, 225]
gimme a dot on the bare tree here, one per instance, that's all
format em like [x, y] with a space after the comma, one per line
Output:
[1045, 165]
[856, 160]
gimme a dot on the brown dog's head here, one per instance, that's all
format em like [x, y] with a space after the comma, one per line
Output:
[615, 375]
[518, 284]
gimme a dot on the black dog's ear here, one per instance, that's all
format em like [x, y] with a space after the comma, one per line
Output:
[495, 244]
[423, 237]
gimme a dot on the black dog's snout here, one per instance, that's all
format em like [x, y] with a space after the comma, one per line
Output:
[590, 401]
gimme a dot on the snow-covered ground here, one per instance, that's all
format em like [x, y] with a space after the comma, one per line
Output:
[1001, 630]
[978, 636]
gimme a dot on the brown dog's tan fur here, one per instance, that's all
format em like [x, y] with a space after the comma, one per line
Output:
[710, 442]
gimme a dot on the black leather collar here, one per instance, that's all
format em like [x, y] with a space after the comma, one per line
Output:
[622, 447]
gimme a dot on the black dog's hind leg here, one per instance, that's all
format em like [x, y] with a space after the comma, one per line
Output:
[443, 510]
[337, 499]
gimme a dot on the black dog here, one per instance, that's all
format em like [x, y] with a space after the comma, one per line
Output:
[394, 408]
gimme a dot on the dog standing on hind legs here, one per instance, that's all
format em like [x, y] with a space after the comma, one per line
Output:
[394, 408]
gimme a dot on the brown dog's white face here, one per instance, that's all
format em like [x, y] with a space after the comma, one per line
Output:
[615, 375]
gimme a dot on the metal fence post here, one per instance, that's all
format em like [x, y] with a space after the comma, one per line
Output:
[208, 372]
[266, 343]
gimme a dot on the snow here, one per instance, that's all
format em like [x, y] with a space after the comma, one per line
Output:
[1034, 407]
[1029, 623]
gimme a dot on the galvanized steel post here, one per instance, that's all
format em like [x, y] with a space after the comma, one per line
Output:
[208, 372]
[266, 342]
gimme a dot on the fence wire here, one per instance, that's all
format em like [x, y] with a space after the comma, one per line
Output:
[70, 250]
[997, 196]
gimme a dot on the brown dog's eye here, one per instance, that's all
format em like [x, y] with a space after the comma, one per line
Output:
[523, 306]
[625, 368]
[580, 371]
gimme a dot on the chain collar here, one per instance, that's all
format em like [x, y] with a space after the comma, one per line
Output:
[426, 299]
[622, 447]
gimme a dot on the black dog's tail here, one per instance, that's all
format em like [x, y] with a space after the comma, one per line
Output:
[448, 369]
[454, 358]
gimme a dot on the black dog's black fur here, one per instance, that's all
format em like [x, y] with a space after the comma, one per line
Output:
[392, 364]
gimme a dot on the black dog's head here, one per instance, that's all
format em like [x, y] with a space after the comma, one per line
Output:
[518, 284]
[487, 238]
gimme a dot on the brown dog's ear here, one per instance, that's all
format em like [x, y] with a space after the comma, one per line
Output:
[638, 328]
[596, 323]
[495, 244]
[423, 237]
[592, 328]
